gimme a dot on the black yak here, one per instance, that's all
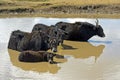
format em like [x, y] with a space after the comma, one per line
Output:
[38, 56]
[81, 31]
[52, 30]
[37, 40]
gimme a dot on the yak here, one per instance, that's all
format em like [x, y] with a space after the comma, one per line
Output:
[37, 40]
[81, 31]
[38, 56]
[52, 30]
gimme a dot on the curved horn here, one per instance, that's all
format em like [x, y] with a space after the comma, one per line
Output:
[97, 23]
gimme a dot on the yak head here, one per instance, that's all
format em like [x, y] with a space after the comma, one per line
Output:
[98, 29]
[53, 43]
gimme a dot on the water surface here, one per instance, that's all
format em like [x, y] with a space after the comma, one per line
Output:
[96, 60]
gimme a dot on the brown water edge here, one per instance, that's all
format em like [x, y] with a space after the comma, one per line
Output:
[78, 50]
[62, 15]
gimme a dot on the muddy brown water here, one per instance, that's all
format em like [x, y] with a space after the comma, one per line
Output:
[97, 59]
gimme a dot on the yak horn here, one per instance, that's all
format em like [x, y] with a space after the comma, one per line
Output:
[97, 23]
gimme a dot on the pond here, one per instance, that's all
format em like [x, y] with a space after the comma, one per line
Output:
[97, 59]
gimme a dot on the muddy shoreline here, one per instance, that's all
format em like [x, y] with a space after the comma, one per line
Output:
[85, 11]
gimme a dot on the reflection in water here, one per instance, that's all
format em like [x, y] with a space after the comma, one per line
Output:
[81, 49]
[39, 67]
[76, 49]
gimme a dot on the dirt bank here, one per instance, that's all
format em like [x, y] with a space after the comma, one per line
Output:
[48, 9]
[98, 9]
